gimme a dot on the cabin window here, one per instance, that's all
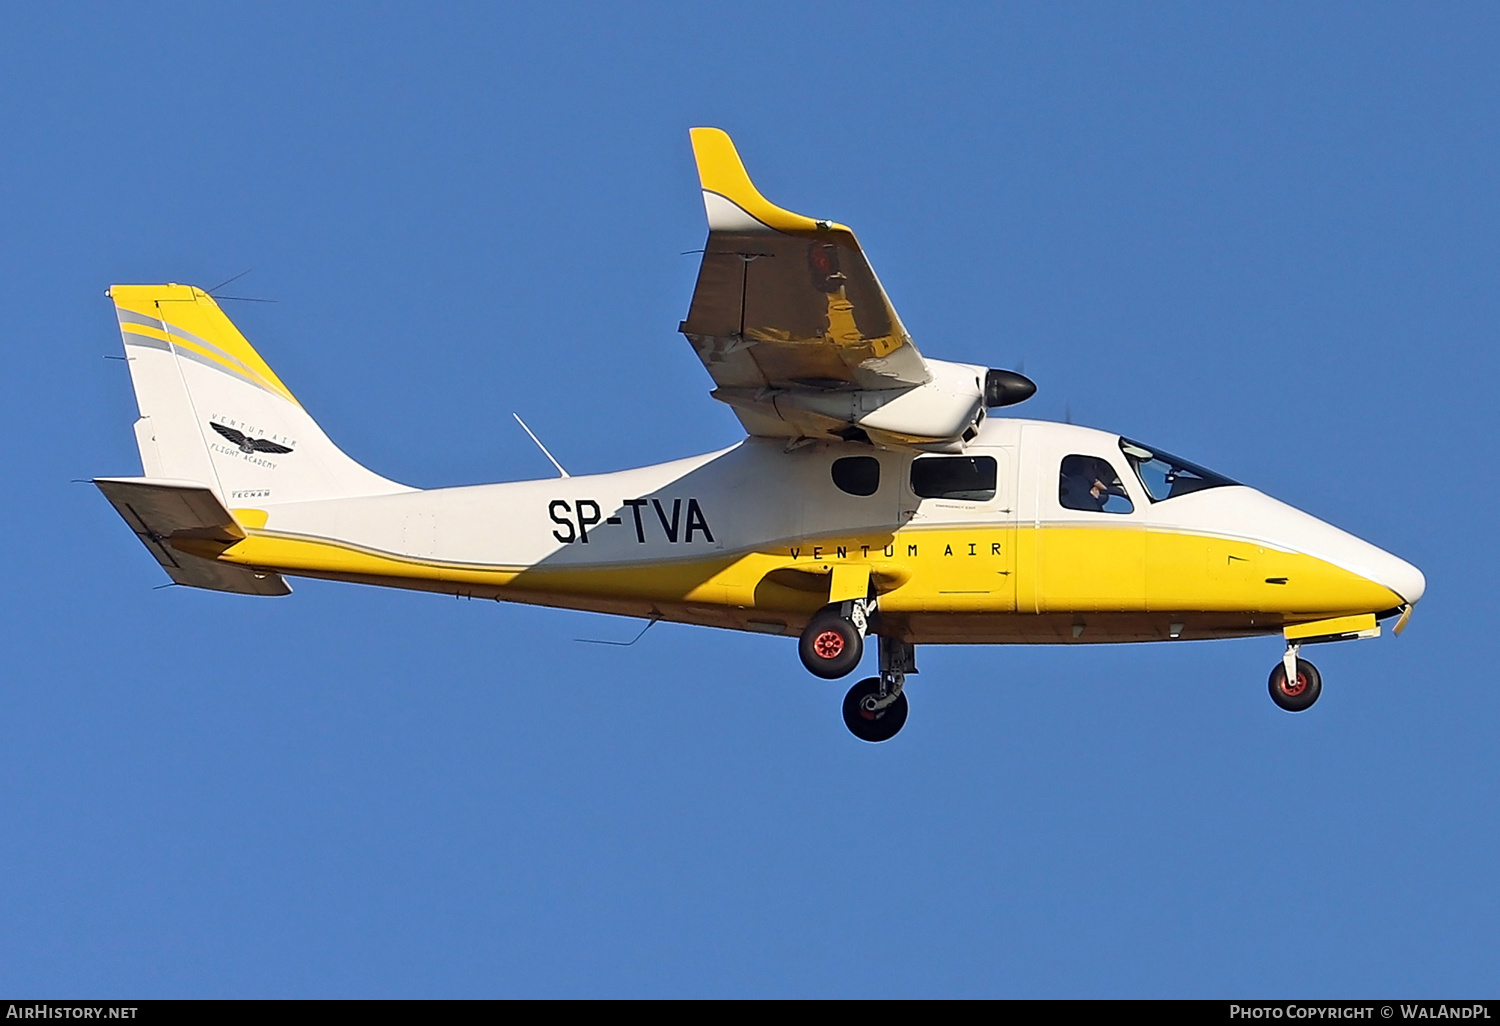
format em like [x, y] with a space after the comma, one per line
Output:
[857, 475]
[969, 478]
[1090, 483]
[1166, 476]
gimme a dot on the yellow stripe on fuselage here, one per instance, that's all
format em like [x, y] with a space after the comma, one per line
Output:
[1128, 569]
[991, 570]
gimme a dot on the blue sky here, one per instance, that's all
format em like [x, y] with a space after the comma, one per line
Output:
[1264, 237]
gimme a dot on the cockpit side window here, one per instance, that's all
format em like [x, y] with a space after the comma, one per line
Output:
[1166, 476]
[1090, 483]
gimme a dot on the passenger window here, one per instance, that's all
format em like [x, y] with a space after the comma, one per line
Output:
[970, 478]
[1090, 483]
[857, 475]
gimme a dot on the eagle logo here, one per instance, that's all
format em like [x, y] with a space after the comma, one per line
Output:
[245, 442]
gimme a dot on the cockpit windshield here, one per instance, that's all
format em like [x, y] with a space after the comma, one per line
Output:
[1166, 476]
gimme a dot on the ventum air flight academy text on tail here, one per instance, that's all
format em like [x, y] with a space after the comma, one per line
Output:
[875, 496]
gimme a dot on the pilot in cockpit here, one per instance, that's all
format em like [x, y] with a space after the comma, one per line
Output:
[1087, 483]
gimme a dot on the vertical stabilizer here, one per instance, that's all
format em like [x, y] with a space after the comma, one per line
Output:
[213, 412]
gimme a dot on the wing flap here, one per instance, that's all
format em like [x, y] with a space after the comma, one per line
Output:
[172, 517]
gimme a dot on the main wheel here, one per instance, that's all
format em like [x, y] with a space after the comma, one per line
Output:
[866, 725]
[831, 646]
[1299, 694]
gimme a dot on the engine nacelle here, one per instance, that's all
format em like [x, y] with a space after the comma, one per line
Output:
[941, 414]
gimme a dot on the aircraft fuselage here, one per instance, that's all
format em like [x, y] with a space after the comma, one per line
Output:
[750, 538]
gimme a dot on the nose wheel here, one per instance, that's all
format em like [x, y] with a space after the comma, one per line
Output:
[1295, 683]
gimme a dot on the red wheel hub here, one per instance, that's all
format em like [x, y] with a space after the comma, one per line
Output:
[1293, 688]
[828, 645]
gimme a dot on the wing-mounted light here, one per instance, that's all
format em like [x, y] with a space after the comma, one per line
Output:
[1006, 388]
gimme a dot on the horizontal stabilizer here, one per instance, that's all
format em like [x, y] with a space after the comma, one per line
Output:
[171, 517]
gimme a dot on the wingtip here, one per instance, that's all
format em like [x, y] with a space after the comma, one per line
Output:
[722, 175]
[720, 168]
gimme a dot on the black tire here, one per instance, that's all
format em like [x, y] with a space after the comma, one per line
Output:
[830, 647]
[873, 727]
[1304, 690]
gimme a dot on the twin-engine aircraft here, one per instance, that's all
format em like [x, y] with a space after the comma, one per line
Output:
[874, 497]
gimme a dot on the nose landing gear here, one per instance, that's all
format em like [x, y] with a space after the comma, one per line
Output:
[1295, 683]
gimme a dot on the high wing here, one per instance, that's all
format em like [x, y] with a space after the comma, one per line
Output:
[797, 333]
[783, 300]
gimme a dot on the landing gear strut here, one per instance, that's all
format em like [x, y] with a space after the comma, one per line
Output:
[1295, 683]
[875, 708]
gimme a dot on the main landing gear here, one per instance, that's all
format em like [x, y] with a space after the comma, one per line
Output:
[834, 639]
[831, 646]
[1295, 683]
[875, 708]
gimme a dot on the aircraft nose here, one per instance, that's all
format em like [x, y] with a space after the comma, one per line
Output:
[1372, 563]
[1297, 531]
[1403, 578]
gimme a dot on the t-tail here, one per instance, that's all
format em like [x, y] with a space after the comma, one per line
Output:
[220, 437]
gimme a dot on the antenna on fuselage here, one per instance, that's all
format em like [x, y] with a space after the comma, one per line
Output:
[623, 644]
[560, 471]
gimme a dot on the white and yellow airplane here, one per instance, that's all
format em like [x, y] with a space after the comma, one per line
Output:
[873, 496]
